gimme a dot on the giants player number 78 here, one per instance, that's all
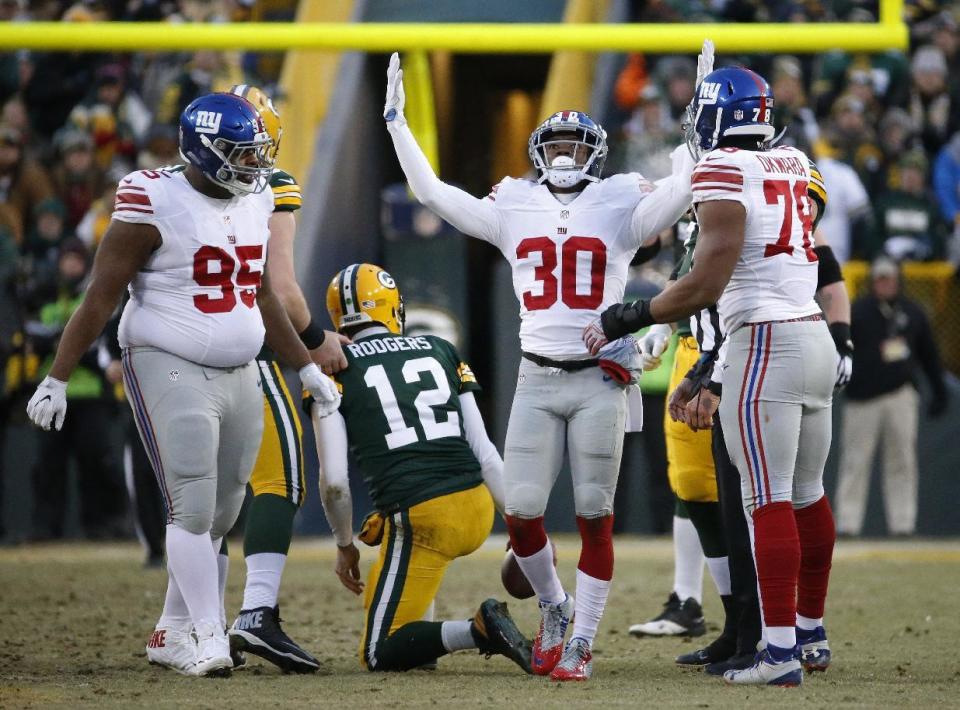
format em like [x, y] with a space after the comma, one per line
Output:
[569, 237]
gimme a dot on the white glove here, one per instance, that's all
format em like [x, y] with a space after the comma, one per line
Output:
[48, 405]
[652, 345]
[325, 395]
[704, 61]
[844, 369]
[393, 105]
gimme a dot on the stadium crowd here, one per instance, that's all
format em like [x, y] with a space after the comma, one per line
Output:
[884, 129]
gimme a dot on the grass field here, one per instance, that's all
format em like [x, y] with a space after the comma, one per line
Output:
[74, 620]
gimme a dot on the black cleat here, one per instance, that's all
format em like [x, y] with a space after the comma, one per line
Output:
[258, 631]
[495, 633]
[721, 649]
[678, 618]
[734, 663]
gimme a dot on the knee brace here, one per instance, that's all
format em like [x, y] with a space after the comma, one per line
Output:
[527, 535]
[596, 546]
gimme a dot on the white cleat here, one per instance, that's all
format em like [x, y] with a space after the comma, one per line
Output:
[768, 669]
[173, 647]
[213, 651]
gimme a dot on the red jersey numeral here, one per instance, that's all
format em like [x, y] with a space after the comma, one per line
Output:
[247, 279]
[795, 199]
[544, 272]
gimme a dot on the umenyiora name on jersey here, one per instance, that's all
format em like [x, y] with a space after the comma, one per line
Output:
[395, 344]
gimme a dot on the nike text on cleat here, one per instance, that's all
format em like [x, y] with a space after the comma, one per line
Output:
[814, 649]
[213, 652]
[258, 631]
[678, 618]
[771, 666]
[548, 646]
[577, 662]
[495, 633]
[173, 647]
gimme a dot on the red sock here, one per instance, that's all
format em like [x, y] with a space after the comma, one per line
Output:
[777, 552]
[817, 535]
[596, 547]
[527, 535]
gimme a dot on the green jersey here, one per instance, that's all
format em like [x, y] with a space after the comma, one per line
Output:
[404, 423]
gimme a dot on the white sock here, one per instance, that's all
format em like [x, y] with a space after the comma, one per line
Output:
[190, 557]
[687, 560]
[223, 569]
[539, 569]
[591, 598]
[175, 612]
[720, 571]
[808, 624]
[782, 636]
[456, 636]
[264, 571]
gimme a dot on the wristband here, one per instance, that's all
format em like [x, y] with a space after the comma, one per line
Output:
[716, 388]
[624, 318]
[312, 336]
[840, 332]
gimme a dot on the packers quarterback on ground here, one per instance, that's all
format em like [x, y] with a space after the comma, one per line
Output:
[409, 415]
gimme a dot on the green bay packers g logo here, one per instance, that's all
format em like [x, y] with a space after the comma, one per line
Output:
[386, 280]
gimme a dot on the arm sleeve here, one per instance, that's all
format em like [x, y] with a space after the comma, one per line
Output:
[491, 465]
[468, 214]
[668, 201]
[331, 436]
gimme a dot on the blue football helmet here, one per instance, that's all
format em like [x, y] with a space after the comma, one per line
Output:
[567, 148]
[732, 101]
[225, 136]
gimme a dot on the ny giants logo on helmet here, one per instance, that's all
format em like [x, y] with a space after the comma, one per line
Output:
[208, 121]
[709, 92]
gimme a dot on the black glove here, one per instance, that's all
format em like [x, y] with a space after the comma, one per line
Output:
[844, 344]
[624, 318]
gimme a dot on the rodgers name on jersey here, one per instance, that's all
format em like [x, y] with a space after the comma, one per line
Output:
[402, 410]
[776, 275]
[196, 295]
[565, 277]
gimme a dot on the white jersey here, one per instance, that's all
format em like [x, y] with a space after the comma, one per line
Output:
[776, 275]
[196, 295]
[569, 261]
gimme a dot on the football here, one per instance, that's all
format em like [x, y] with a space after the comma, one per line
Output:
[513, 578]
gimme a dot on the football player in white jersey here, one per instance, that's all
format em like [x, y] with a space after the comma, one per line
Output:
[755, 258]
[569, 237]
[191, 246]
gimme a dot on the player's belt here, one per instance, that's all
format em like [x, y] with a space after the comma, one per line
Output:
[815, 316]
[568, 365]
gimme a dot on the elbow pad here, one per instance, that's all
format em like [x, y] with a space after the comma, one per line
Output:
[828, 268]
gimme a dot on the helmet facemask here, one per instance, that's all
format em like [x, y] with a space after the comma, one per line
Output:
[566, 155]
[245, 167]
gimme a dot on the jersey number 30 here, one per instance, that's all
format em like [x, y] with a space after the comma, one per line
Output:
[401, 434]
[569, 256]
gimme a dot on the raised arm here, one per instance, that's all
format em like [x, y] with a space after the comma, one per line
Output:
[470, 215]
[666, 204]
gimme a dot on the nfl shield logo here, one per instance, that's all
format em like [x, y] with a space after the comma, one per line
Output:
[738, 115]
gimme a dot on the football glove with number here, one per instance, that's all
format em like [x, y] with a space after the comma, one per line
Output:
[326, 398]
[621, 360]
[48, 405]
[705, 61]
[393, 105]
[652, 345]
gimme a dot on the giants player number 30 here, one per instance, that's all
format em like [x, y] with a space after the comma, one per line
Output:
[569, 237]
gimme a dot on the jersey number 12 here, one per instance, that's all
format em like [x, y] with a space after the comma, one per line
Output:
[438, 395]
